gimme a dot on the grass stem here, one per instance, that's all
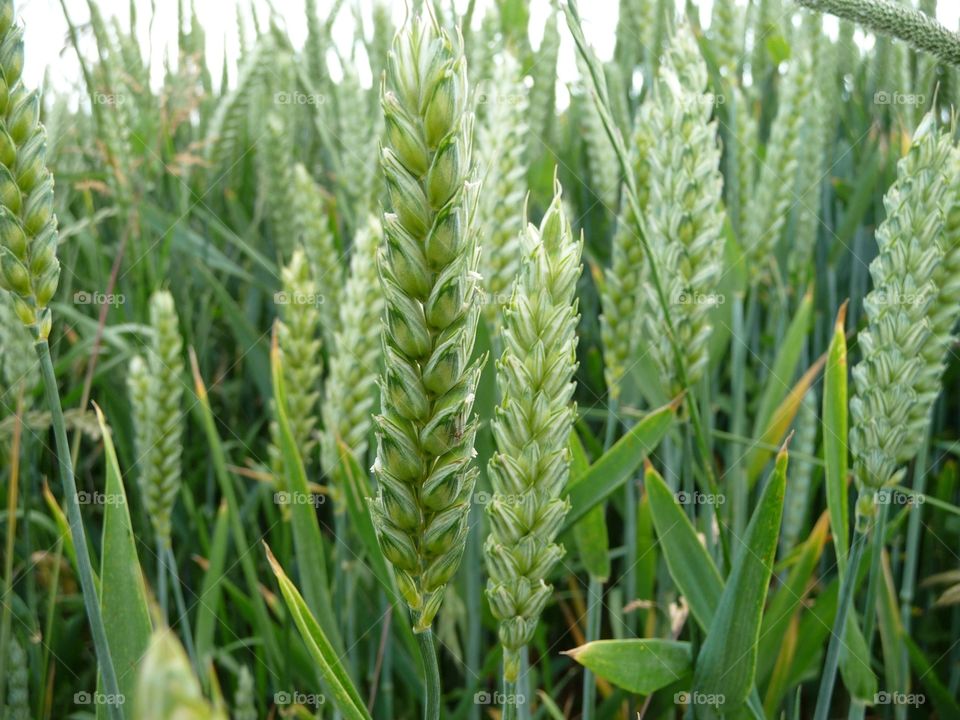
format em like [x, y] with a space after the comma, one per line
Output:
[84, 567]
[431, 675]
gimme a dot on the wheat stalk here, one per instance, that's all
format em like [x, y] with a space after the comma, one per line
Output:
[532, 426]
[429, 279]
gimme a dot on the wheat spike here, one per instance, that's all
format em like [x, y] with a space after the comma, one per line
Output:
[532, 426]
[428, 273]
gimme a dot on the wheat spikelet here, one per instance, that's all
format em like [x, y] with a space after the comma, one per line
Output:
[358, 159]
[501, 147]
[155, 387]
[29, 269]
[684, 212]
[18, 361]
[532, 426]
[167, 688]
[428, 272]
[17, 705]
[902, 345]
[726, 27]
[356, 355]
[244, 702]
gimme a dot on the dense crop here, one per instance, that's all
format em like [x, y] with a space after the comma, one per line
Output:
[389, 376]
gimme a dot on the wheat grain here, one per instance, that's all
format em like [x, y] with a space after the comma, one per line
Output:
[532, 426]
[167, 688]
[428, 273]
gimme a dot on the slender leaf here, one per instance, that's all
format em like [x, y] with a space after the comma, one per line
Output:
[641, 666]
[835, 439]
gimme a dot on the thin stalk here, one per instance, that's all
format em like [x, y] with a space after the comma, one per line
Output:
[474, 592]
[162, 584]
[829, 677]
[431, 675]
[870, 608]
[593, 632]
[908, 580]
[84, 567]
[523, 686]
[183, 617]
[509, 708]
[12, 494]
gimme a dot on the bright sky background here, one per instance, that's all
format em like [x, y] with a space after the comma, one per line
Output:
[48, 49]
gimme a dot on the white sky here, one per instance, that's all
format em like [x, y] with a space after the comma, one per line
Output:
[48, 47]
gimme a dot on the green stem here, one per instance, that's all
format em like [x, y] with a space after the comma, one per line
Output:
[594, 603]
[523, 687]
[847, 583]
[162, 584]
[509, 698]
[431, 675]
[84, 567]
[870, 608]
[184, 618]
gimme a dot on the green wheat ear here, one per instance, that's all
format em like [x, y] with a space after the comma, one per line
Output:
[911, 311]
[29, 268]
[18, 361]
[428, 275]
[155, 386]
[356, 355]
[532, 427]
[685, 210]
[298, 339]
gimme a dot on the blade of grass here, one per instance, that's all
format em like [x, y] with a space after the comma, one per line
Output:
[640, 666]
[835, 438]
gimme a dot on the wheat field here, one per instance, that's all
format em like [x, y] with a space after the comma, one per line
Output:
[392, 374]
